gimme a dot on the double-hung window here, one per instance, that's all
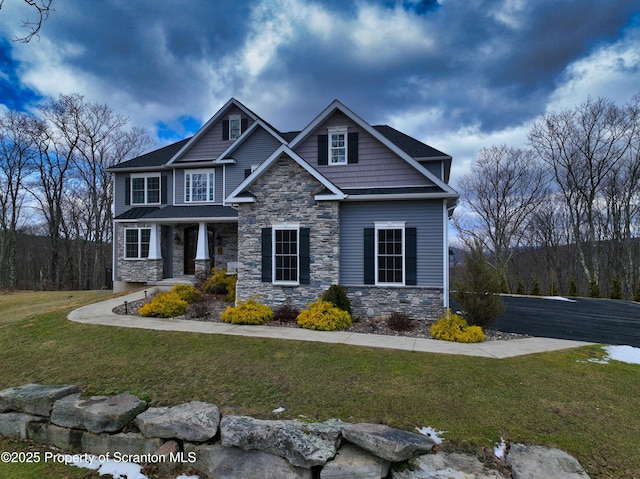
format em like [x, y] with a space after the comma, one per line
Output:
[337, 145]
[390, 253]
[136, 243]
[235, 127]
[286, 254]
[145, 190]
[199, 186]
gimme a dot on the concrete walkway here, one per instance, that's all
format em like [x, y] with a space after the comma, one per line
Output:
[101, 314]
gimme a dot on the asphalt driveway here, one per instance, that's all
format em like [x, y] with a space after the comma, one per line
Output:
[583, 319]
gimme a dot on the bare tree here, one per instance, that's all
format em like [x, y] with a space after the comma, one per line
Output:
[17, 154]
[502, 190]
[584, 147]
[42, 9]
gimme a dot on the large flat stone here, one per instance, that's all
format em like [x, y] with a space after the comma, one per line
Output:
[15, 424]
[302, 444]
[221, 462]
[536, 462]
[194, 421]
[449, 466]
[353, 462]
[391, 444]
[33, 398]
[98, 413]
[123, 443]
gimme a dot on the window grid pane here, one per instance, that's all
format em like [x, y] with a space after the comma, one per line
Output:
[137, 190]
[390, 256]
[338, 149]
[153, 189]
[131, 243]
[286, 255]
[199, 187]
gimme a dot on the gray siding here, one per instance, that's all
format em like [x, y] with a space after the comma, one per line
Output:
[119, 182]
[377, 165]
[252, 152]
[435, 167]
[426, 216]
[211, 144]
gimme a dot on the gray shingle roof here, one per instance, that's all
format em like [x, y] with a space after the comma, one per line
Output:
[154, 158]
[194, 211]
[408, 144]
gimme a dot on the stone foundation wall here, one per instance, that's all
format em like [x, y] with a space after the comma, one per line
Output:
[418, 302]
[194, 435]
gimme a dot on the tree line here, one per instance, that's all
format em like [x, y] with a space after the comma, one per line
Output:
[53, 185]
[561, 216]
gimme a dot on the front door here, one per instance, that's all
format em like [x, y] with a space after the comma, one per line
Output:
[191, 247]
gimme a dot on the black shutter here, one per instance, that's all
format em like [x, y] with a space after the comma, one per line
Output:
[247, 172]
[352, 145]
[305, 256]
[323, 149]
[163, 189]
[266, 255]
[369, 252]
[127, 190]
[244, 124]
[411, 256]
[225, 129]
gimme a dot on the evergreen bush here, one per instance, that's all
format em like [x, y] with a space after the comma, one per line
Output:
[324, 316]
[337, 295]
[248, 312]
[452, 327]
[165, 304]
[476, 291]
[187, 292]
[615, 291]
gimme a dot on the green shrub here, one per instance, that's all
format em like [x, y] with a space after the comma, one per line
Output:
[324, 316]
[453, 327]
[594, 289]
[248, 312]
[164, 305]
[337, 295]
[615, 291]
[573, 288]
[187, 292]
[477, 289]
[535, 288]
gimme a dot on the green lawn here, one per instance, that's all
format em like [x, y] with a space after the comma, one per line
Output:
[557, 399]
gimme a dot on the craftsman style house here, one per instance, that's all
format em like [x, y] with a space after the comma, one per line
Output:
[339, 202]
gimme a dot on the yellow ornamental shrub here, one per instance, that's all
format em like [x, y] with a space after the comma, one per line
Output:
[164, 305]
[248, 312]
[453, 327]
[187, 292]
[324, 316]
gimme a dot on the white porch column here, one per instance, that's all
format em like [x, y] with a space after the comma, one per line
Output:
[154, 244]
[202, 251]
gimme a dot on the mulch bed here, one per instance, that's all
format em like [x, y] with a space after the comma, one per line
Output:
[216, 305]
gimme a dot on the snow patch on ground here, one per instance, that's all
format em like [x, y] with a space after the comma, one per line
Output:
[431, 433]
[117, 469]
[559, 298]
[500, 450]
[625, 354]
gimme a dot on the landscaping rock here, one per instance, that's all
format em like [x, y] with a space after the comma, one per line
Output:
[60, 437]
[123, 443]
[194, 421]
[33, 398]
[449, 466]
[302, 444]
[14, 424]
[98, 413]
[352, 462]
[221, 462]
[391, 444]
[535, 462]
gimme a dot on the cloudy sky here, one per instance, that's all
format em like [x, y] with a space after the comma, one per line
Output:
[457, 74]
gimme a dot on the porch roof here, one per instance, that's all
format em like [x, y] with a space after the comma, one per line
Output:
[196, 212]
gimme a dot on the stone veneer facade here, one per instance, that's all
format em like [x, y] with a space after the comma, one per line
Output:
[274, 205]
[297, 205]
[136, 270]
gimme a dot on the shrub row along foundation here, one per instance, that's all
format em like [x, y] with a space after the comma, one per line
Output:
[195, 435]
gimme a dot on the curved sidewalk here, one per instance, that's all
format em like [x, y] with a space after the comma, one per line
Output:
[101, 314]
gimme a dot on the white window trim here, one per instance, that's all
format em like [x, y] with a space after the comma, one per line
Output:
[139, 256]
[146, 189]
[187, 193]
[390, 225]
[281, 227]
[338, 130]
[237, 118]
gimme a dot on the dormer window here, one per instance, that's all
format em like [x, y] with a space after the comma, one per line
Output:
[235, 127]
[338, 145]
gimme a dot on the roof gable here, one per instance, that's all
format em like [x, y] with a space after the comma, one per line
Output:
[337, 106]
